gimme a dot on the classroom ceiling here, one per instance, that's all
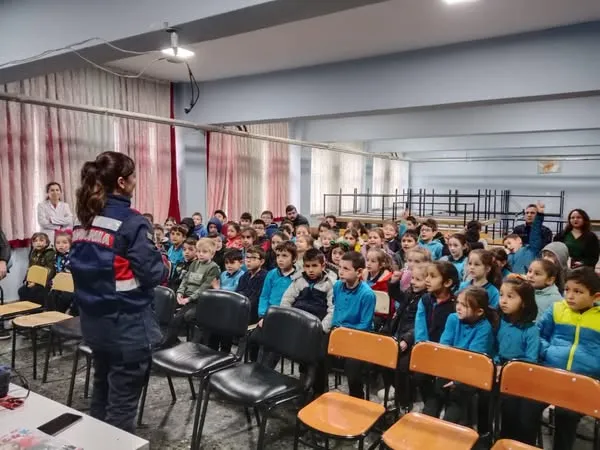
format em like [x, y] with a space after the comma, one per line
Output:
[392, 26]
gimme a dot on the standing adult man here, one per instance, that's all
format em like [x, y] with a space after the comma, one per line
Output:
[292, 214]
[524, 230]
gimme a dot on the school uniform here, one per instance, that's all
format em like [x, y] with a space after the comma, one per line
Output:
[219, 259]
[313, 296]
[275, 285]
[37, 293]
[434, 246]
[459, 264]
[492, 291]
[229, 281]
[236, 243]
[544, 298]
[271, 229]
[251, 285]
[175, 255]
[380, 283]
[57, 300]
[520, 260]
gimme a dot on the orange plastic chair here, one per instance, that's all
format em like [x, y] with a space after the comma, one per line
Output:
[336, 415]
[418, 431]
[557, 387]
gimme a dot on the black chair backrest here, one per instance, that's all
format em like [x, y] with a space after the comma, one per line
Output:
[223, 312]
[293, 333]
[164, 304]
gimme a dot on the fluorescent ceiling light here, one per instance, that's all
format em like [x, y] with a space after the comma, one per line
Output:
[456, 2]
[178, 52]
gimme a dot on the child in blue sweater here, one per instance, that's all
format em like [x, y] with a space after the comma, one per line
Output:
[520, 256]
[482, 271]
[542, 275]
[233, 270]
[428, 230]
[469, 329]
[354, 307]
[518, 338]
[457, 245]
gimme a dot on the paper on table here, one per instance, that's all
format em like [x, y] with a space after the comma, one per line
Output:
[26, 439]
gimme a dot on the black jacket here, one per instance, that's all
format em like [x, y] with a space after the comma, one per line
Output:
[300, 220]
[402, 326]
[4, 248]
[251, 287]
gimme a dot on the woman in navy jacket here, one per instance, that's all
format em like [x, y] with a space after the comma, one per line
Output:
[115, 267]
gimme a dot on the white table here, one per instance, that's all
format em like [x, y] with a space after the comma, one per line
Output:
[89, 433]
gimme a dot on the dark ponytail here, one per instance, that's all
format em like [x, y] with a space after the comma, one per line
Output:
[98, 179]
[477, 297]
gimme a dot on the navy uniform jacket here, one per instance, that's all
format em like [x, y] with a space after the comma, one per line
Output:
[115, 267]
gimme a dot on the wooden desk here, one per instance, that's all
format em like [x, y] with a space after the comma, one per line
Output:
[89, 433]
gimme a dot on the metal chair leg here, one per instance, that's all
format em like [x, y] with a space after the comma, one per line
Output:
[14, 346]
[202, 414]
[192, 389]
[199, 402]
[34, 345]
[47, 360]
[297, 434]
[142, 404]
[73, 375]
[262, 431]
[257, 416]
[88, 368]
[172, 389]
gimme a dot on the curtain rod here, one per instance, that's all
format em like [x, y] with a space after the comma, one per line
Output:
[183, 123]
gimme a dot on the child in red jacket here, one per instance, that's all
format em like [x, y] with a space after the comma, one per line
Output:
[377, 276]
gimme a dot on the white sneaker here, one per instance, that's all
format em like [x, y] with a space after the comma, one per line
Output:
[381, 393]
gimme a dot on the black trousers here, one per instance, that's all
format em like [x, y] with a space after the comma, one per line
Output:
[62, 302]
[220, 343]
[117, 388]
[36, 294]
[455, 399]
[185, 314]
[404, 394]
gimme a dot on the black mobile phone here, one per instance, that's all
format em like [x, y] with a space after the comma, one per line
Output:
[59, 423]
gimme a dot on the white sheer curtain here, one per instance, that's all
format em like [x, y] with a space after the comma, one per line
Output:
[380, 181]
[39, 144]
[398, 179]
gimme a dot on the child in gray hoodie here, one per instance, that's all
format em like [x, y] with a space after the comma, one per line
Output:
[558, 253]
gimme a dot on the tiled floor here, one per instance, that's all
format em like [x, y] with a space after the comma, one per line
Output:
[169, 426]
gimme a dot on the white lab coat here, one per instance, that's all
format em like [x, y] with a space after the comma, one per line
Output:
[51, 219]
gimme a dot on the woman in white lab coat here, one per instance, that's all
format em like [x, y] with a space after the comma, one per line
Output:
[54, 214]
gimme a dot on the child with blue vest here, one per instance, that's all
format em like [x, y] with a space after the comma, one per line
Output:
[457, 245]
[483, 272]
[427, 239]
[233, 270]
[469, 328]
[270, 226]
[542, 275]
[433, 310]
[518, 337]
[354, 308]
[520, 256]
[570, 338]
[501, 260]
[177, 234]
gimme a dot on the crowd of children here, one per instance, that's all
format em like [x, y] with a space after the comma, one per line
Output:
[516, 302]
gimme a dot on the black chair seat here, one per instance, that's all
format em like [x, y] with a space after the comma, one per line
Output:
[251, 384]
[188, 359]
[68, 329]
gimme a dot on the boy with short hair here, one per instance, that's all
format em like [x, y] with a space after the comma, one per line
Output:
[354, 308]
[200, 276]
[252, 281]
[390, 234]
[332, 221]
[427, 239]
[233, 270]
[219, 257]
[245, 220]
[161, 241]
[312, 289]
[521, 256]
[179, 271]
[279, 279]
[177, 235]
[261, 236]
[199, 229]
[570, 337]
[270, 227]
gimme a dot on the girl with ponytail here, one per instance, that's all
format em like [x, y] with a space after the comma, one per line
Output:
[115, 267]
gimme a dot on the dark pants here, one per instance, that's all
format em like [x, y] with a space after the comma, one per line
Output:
[455, 399]
[353, 370]
[117, 388]
[269, 359]
[36, 294]
[185, 314]
[62, 302]
[404, 394]
[220, 343]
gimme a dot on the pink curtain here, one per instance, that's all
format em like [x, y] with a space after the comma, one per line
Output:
[39, 144]
[248, 175]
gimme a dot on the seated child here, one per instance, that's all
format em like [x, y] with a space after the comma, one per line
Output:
[214, 226]
[517, 338]
[520, 256]
[161, 241]
[177, 235]
[303, 243]
[234, 236]
[414, 257]
[377, 276]
[542, 275]
[429, 229]
[332, 221]
[169, 223]
[376, 239]
[408, 242]
[270, 226]
[402, 327]
[558, 253]
[270, 256]
[390, 236]
[58, 300]
[483, 272]
[457, 245]
[338, 249]
[41, 254]
[469, 328]
[287, 228]
[219, 257]
[179, 270]
[233, 270]
[248, 240]
[354, 307]
[433, 311]
[261, 237]
[199, 230]
[501, 259]
[246, 220]
[353, 238]
[200, 276]
[570, 336]
[324, 234]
